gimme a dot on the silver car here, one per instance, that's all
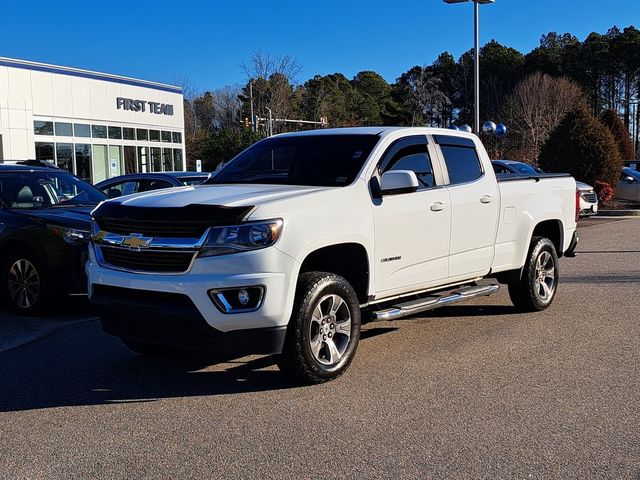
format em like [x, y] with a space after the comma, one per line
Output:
[629, 185]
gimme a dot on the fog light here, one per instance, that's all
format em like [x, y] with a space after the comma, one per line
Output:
[237, 300]
[243, 297]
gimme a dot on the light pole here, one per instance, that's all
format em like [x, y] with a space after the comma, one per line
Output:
[476, 59]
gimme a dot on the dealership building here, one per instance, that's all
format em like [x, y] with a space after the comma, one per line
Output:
[95, 125]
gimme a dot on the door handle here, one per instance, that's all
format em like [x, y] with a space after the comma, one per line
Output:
[487, 198]
[438, 206]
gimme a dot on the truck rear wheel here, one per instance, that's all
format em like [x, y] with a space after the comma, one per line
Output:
[324, 329]
[537, 287]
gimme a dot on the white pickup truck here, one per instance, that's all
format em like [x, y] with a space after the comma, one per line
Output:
[304, 237]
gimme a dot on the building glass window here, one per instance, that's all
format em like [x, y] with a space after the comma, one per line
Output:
[42, 128]
[178, 164]
[44, 151]
[115, 133]
[81, 130]
[142, 134]
[154, 135]
[177, 137]
[64, 129]
[128, 133]
[166, 136]
[156, 161]
[143, 159]
[64, 156]
[98, 131]
[130, 165]
[83, 161]
[167, 159]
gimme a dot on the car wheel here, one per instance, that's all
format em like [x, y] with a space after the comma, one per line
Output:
[23, 282]
[148, 349]
[324, 329]
[537, 288]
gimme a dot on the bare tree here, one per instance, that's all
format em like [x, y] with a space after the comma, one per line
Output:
[274, 79]
[264, 65]
[429, 97]
[535, 108]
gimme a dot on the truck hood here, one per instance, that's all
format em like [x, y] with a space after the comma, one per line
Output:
[73, 217]
[230, 195]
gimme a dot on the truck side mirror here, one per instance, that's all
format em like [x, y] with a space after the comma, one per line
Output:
[395, 182]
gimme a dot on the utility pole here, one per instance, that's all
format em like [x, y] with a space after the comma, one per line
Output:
[476, 59]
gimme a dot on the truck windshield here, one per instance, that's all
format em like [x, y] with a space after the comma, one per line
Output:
[314, 160]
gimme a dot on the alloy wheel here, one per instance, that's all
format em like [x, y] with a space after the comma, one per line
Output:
[545, 283]
[24, 283]
[330, 330]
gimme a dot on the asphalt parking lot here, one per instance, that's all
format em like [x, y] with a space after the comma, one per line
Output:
[471, 391]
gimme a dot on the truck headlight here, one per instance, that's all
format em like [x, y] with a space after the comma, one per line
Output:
[241, 238]
[72, 236]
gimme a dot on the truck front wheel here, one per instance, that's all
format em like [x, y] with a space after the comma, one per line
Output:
[324, 329]
[537, 287]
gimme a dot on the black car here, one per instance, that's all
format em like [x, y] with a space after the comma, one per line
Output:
[144, 182]
[44, 232]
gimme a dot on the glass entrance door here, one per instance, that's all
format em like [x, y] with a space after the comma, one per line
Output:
[115, 160]
[100, 164]
[130, 160]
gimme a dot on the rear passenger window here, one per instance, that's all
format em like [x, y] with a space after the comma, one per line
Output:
[463, 163]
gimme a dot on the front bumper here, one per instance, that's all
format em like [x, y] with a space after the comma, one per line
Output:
[173, 319]
[269, 268]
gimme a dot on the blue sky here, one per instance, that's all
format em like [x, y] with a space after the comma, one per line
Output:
[206, 41]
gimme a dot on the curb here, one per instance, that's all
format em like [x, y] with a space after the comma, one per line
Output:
[618, 213]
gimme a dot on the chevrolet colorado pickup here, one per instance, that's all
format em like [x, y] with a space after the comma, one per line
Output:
[303, 237]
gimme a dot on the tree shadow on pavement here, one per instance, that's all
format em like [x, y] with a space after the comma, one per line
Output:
[80, 365]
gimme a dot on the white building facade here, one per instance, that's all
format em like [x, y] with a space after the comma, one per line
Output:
[95, 125]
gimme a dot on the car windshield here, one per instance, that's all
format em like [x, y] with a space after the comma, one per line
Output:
[38, 190]
[193, 180]
[314, 160]
[524, 168]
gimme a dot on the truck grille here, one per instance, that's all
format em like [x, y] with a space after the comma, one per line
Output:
[153, 228]
[590, 197]
[148, 261]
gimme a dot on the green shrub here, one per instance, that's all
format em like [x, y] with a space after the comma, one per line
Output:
[582, 146]
[612, 121]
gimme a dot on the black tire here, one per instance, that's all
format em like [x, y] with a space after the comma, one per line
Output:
[301, 358]
[528, 294]
[24, 282]
[148, 349]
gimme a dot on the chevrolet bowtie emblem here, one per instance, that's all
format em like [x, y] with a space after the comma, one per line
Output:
[135, 241]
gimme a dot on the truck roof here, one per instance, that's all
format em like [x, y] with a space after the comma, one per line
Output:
[382, 131]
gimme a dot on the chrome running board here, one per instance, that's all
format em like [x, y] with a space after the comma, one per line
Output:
[434, 301]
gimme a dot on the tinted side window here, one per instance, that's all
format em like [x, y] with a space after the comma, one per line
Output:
[463, 164]
[500, 169]
[415, 158]
[146, 185]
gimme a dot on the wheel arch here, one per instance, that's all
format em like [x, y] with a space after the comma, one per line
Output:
[350, 260]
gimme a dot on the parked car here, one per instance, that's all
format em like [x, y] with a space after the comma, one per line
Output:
[144, 182]
[514, 167]
[588, 196]
[629, 185]
[304, 236]
[44, 231]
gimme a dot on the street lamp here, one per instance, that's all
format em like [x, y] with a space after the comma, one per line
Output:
[476, 59]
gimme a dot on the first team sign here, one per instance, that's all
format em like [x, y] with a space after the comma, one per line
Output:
[141, 106]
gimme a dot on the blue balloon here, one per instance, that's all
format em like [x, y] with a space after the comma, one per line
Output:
[501, 130]
[454, 127]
